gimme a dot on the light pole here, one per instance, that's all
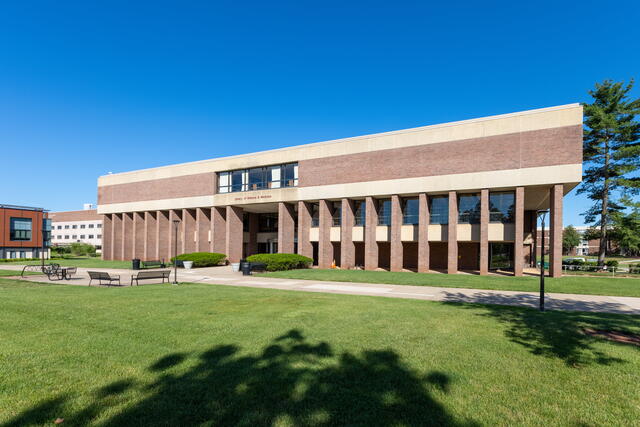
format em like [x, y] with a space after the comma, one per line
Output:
[542, 215]
[175, 251]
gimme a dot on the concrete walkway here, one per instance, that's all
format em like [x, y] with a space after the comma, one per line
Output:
[224, 276]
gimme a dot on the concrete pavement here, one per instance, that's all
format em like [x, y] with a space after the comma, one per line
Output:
[224, 276]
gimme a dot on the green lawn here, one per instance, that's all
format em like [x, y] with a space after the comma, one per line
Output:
[5, 273]
[569, 285]
[85, 262]
[201, 354]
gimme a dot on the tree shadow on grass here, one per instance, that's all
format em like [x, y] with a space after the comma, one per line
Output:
[558, 334]
[290, 382]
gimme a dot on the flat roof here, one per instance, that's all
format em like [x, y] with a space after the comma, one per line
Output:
[23, 208]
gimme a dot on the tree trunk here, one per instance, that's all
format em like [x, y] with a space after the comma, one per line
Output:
[604, 216]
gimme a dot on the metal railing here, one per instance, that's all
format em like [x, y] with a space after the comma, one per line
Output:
[594, 270]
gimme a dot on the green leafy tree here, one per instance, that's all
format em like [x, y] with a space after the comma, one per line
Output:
[611, 154]
[626, 228]
[570, 238]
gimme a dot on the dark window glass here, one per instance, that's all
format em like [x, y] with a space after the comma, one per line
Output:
[439, 210]
[20, 229]
[501, 256]
[257, 179]
[268, 223]
[410, 211]
[469, 209]
[82, 225]
[236, 181]
[360, 215]
[90, 225]
[315, 218]
[336, 218]
[384, 212]
[288, 175]
[502, 207]
[99, 225]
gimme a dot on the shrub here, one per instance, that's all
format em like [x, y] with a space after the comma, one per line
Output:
[278, 262]
[202, 259]
[611, 263]
[82, 249]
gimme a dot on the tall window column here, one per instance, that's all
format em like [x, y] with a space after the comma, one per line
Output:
[397, 253]
[138, 235]
[107, 237]
[150, 232]
[163, 236]
[484, 232]
[452, 243]
[127, 236]
[286, 228]
[518, 255]
[555, 235]
[370, 242]
[325, 248]
[423, 234]
[234, 234]
[203, 227]
[189, 231]
[304, 224]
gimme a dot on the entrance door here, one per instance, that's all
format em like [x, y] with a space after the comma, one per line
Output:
[500, 256]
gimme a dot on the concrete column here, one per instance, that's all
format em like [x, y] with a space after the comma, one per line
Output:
[107, 237]
[518, 256]
[234, 238]
[138, 235]
[370, 242]
[484, 232]
[189, 230]
[555, 235]
[203, 228]
[325, 248]
[304, 224]
[127, 233]
[151, 234]
[219, 230]
[397, 253]
[423, 233]
[286, 228]
[452, 242]
[347, 247]
[163, 236]
[254, 226]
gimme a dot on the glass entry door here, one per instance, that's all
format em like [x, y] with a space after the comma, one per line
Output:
[500, 256]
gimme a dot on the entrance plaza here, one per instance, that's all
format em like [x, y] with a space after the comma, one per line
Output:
[459, 196]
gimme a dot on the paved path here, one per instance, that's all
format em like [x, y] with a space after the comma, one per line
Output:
[224, 276]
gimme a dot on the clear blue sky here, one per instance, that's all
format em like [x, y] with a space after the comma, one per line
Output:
[86, 89]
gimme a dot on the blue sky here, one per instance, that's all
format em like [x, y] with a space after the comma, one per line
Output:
[88, 88]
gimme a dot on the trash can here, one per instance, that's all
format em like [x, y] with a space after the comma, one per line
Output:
[135, 264]
[246, 268]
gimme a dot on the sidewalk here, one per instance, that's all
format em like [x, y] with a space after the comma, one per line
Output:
[224, 276]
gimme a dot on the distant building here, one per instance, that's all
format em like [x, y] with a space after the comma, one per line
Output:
[586, 247]
[83, 226]
[21, 232]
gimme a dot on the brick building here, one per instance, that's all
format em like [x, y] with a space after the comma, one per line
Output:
[449, 197]
[21, 232]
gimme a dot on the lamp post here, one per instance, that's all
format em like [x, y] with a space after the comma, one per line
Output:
[175, 251]
[542, 215]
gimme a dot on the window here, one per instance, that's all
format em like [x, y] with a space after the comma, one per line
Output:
[502, 207]
[74, 226]
[336, 218]
[469, 209]
[99, 236]
[66, 227]
[66, 237]
[90, 225]
[59, 237]
[439, 209]
[59, 227]
[99, 225]
[360, 215]
[268, 223]
[82, 236]
[315, 219]
[384, 212]
[91, 236]
[75, 236]
[411, 211]
[260, 178]
[20, 229]
[82, 226]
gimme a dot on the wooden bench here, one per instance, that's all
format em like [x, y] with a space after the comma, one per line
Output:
[102, 276]
[152, 264]
[144, 275]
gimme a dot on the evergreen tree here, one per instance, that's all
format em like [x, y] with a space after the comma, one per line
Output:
[626, 229]
[611, 154]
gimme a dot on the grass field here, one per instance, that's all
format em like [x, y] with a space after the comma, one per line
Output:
[6, 273]
[569, 285]
[84, 262]
[219, 355]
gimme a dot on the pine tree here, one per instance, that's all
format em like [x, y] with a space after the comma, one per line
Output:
[611, 154]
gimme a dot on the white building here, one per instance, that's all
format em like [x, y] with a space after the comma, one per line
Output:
[83, 226]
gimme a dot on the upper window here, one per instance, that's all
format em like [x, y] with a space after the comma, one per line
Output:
[315, 215]
[74, 226]
[82, 225]
[439, 210]
[261, 178]
[411, 211]
[502, 207]
[99, 225]
[384, 212]
[20, 229]
[90, 225]
[469, 209]
[360, 215]
[336, 216]
[268, 222]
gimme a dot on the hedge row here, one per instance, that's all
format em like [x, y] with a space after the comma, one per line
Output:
[278, 262]
[202, 259]
[610, 263]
